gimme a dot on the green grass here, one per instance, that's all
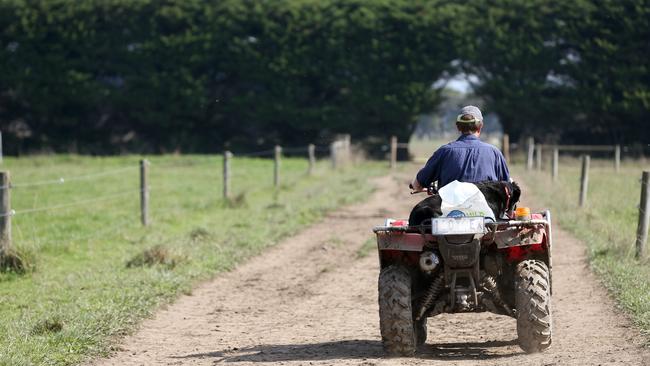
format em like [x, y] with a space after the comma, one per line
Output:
[95, 272]
[607, 225]
[369, 246]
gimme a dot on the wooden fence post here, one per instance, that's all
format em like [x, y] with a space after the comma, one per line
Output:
[311, 151]
[617, 158]
[644, 216]
[584, 180]
[555, 164]
[5, 211]
[227, 156]
[531, 152]
[539, 157]
[393, 152]
[276, 166]
[144, 192]
[348, 149]
[505, 147]
[333, 155]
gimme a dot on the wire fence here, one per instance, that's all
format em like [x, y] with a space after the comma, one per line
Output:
[225, 171]
[254, 154]
[86, 202]
[339, 154]
[62, 180]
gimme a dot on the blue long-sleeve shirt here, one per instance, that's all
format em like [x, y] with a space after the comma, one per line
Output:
[467, 159]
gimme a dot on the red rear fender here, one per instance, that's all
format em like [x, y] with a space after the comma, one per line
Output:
[388, 257]
[518, 253]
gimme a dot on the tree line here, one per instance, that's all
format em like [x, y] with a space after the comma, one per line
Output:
[111, 76]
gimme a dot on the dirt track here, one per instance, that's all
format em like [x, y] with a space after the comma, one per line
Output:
[311, 300]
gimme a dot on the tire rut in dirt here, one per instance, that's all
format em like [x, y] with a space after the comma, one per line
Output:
[396, 323]
[533, 302]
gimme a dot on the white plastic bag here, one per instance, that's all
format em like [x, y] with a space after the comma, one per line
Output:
[463, 199]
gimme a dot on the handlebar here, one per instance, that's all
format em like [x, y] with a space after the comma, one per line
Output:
[431, 190]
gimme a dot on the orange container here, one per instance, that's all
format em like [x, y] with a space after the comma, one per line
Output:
[522, 213]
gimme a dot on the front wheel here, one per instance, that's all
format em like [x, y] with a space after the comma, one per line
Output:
[398, 331]
[533, 303]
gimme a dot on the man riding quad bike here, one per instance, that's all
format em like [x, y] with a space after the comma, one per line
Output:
[464, 249]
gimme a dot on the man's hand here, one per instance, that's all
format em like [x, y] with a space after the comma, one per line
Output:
[415, 186]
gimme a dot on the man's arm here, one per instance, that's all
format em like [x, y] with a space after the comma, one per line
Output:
[429, 173]
[503, 173]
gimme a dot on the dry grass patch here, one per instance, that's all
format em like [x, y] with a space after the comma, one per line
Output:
[239, 201]
[199, 234]
[16, 261]
[45, 326]
[156, 255]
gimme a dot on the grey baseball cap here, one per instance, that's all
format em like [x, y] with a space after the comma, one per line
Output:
[472, 111]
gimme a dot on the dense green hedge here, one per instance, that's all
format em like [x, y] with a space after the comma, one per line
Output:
[574, 71]
[148, 75]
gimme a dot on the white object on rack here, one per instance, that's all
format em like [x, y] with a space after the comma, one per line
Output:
[465, 198]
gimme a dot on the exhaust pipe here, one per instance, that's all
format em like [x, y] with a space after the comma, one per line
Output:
[429, 261]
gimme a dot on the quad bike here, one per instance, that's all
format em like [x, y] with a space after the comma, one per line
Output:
[464, 264]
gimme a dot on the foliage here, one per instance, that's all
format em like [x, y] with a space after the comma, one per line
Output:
[108, 76]
[562, 71]
[193, 75]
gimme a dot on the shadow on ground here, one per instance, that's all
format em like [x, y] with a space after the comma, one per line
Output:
[357, 349]
[470, 350]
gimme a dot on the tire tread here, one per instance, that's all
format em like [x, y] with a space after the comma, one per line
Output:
[533, 302]
[395, 312]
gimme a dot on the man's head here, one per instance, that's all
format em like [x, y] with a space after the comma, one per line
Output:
[470, 120]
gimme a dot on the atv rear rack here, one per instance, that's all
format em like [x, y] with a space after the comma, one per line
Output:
[494, 226]
[505, 233]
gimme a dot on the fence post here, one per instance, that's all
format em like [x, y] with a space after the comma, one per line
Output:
[348, 154]
[393, 152]
[333, 155]
[617, 158]
[505, 147]
[539, 157]
[227, 156]
[531, 151]
[5, 211]
[311, 150]
[144, 192]
[276, 166]
[555, 163]
[644, 216]
[584, 180]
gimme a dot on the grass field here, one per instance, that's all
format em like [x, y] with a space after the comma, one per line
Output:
[607, 225]
[91, 279]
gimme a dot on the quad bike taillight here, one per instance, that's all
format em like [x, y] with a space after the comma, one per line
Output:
[397, 223]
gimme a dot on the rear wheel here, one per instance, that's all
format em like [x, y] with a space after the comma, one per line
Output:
[533, 303]
[398, 331]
